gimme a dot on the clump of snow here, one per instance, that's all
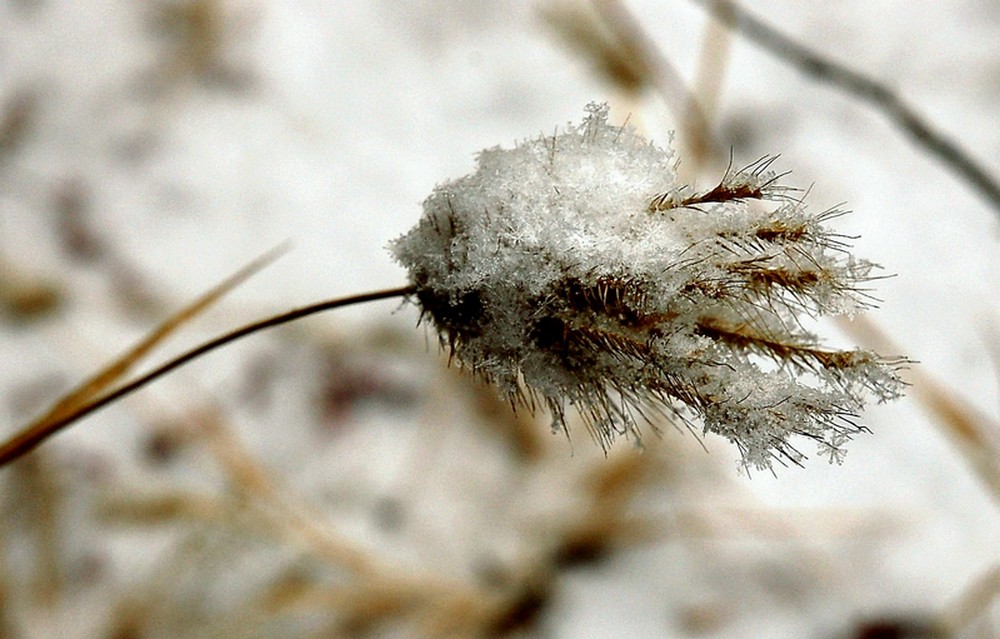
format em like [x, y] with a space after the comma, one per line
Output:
[573, 268]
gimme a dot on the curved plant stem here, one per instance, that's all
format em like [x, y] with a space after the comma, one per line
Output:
[37, 432]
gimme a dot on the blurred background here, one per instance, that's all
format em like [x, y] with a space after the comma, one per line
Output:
[335, 478]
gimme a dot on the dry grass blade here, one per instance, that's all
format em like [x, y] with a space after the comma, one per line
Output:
[56, 418]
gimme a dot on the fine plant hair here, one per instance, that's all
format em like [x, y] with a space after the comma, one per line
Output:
[573, 272]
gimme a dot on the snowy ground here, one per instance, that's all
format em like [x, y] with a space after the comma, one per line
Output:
[147, 150]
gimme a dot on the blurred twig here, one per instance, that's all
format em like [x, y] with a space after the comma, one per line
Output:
[974, 434]
[17, 115]
[974, 602]
[26, 297]
[661, 73]
[250, 478]
[43, 521]
[709, 76]
[8, 607]
[902, 115]
[146, 604]
[624, 54]
[198, 34]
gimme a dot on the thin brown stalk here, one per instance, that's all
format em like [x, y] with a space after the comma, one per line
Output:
[66, 413]
[123, 364]
[44, 426]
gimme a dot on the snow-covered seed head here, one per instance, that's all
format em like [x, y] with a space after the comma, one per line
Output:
[574, 270]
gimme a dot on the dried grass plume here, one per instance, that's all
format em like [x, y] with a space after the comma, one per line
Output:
[573, 270]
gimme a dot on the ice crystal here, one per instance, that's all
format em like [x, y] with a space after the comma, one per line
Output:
[573, 270]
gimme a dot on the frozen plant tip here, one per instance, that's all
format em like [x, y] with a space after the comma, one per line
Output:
[573, 271]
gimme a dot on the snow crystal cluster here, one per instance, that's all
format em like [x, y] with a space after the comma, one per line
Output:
[572, 270]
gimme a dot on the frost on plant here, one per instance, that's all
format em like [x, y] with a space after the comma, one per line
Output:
[572, 270]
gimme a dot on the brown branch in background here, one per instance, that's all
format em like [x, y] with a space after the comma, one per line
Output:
[41, 506]
[144, 604]
[198, 35]
[865, 88]
[249, 477]
[8, 606]
[72, 207]
[26, 297]
[584, 32]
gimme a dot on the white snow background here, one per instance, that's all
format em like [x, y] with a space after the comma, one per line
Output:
[326, 124]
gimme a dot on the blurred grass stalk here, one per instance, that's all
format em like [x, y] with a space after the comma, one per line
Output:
[975, 435]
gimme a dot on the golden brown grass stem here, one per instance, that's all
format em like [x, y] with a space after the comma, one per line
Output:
[60, 418]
